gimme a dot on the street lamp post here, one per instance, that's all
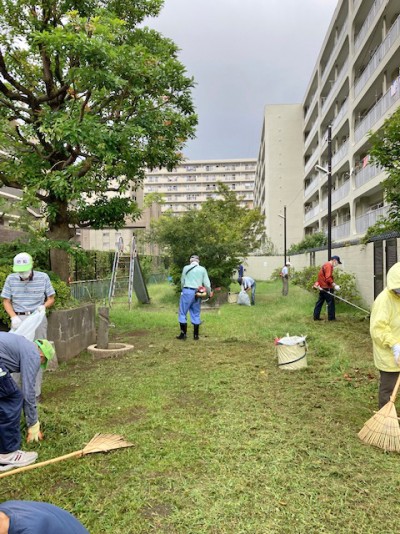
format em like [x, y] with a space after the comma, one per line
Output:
[329, 192]
[284, 231]
[328, 172]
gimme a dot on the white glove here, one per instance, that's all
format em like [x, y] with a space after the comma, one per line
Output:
[396, 353]
[41, 308]
[336, 287]
[15, 322]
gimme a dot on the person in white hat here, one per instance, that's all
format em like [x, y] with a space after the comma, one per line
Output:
[24, 292]
[285, 278]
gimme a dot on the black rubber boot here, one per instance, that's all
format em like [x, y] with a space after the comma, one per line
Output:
[182, 335]
[196, 331]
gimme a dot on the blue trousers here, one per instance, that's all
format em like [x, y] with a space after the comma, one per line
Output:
[189, 303]
[325, 296]
[11, 401]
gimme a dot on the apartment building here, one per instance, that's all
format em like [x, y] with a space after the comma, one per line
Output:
[193, 182]
[353, 88]
[280, 167]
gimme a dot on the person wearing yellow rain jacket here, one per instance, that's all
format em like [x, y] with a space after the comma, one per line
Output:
[385, 334]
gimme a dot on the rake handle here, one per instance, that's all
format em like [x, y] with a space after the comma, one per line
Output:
[395, 390]
[40, 464]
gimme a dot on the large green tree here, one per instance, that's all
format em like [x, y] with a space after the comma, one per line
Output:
[221, 233]
[89, 98]
[385, 151]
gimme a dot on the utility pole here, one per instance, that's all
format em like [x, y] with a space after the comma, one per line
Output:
[329, 192]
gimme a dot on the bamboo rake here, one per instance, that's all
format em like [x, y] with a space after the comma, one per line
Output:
[99, 443]
[383, 430]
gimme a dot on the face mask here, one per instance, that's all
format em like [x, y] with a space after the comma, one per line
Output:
[25, 275]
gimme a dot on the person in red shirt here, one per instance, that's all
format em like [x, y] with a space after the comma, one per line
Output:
[327, 284]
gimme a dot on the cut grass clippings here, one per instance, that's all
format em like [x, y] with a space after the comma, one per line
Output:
[225, 442]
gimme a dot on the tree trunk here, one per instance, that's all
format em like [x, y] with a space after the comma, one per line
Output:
[59, 258]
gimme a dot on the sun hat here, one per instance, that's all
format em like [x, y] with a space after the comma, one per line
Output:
[48, 350]
[22, 262]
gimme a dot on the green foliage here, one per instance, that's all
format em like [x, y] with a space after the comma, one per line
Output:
[221, 233]
[150, 198]
[385, 151]
[38, 246]
[90, 99]
[305, 278]
[318, 239]
[63, 292]
[382, 226]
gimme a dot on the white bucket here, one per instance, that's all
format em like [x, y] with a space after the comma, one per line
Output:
[232, 298]
[292, 353]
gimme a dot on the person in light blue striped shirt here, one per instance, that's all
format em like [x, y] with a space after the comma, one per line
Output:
[24, 292]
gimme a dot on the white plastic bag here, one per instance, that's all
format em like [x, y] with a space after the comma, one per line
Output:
[28, 327]
[243, 298]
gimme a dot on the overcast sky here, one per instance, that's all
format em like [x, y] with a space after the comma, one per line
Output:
[243, 55]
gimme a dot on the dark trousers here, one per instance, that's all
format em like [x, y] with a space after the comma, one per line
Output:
[386, 386]
[11, 401]
[325, 296]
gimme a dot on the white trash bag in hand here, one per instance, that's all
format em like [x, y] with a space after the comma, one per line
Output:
[28, 327]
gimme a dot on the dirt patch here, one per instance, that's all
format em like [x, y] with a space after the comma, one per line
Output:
[129, 415]
[156, 510]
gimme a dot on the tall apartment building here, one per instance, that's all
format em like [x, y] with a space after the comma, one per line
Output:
[354, 87]
[279, 172]
[193, 182]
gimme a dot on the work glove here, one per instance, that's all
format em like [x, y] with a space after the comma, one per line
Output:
[15, 322]
[41, 308]
[336, 287]
[34, 433]
[396, 353]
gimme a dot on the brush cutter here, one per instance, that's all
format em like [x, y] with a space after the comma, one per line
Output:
[315, 286]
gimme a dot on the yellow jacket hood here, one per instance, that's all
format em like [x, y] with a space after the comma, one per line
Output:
[393, 277]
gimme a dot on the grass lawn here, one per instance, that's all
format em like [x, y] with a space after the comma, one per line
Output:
[225, 442]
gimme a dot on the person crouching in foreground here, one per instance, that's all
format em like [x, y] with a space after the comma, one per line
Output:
[385, 334]
[18, 355]
[193, 276]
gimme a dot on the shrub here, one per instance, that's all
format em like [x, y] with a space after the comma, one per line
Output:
[318, 239]
[347, 282]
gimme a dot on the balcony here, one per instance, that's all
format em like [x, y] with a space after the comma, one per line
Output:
[335, 86]
[367, 23]
[341, 192]
[377, 112]
[342, 112]
[333, 55]
[311, 187]
[341, 230]
[340, 154]
[313, 212]
[366, 174]
[311, 107]
[368, 219]
[311, 133]
[376, 59]
[312, 161]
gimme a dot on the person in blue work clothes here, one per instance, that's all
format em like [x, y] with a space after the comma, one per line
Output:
[193, 276]
[23, 517]
[248, 284]
[19, 355]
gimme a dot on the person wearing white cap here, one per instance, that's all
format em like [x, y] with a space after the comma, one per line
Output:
[193, 276]
[24, 292]
[285, 278]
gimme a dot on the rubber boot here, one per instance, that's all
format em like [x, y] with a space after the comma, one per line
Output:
[196, 331]
[182, 335]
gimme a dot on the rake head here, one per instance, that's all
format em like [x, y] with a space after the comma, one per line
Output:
[383, 430]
